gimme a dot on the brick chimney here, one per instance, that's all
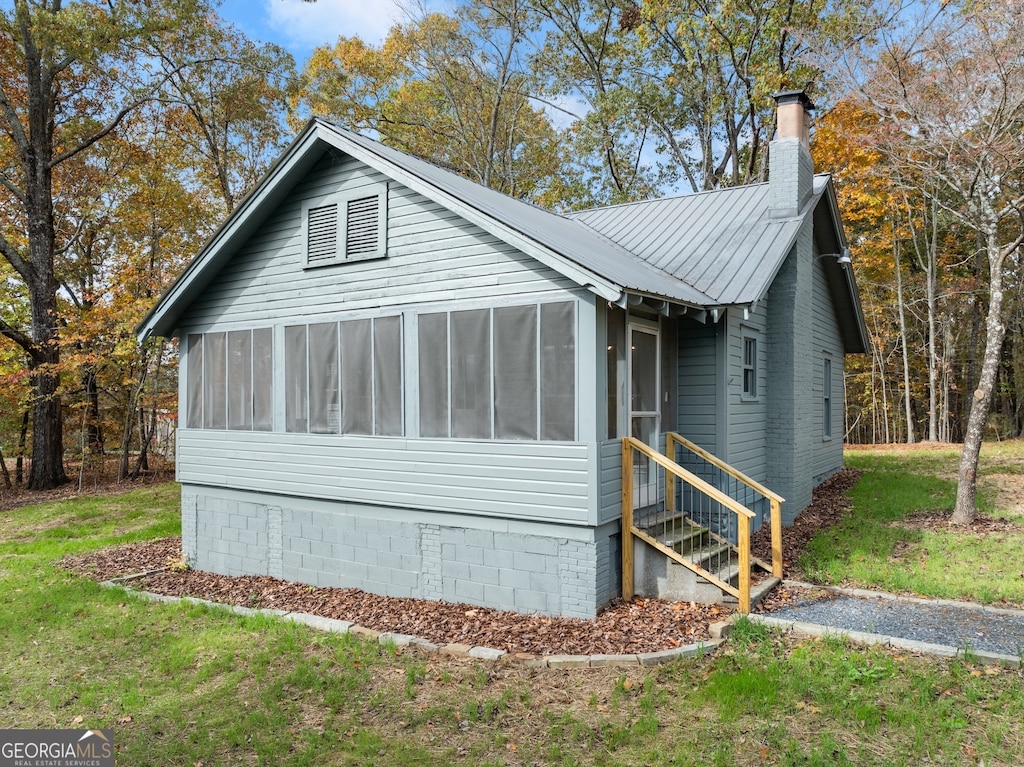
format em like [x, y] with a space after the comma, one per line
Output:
[790, 169]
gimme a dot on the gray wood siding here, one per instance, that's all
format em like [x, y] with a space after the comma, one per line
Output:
[539, 481]
[697, 395]
[747, 419]
[827, 454]
[611, 481]
[434, 256]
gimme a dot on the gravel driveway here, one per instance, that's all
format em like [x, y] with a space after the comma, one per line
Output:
[961, 627]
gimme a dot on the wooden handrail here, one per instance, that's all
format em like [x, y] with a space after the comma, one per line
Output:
[730, 470]
[671, 466]
[745, 515]
[775, 500]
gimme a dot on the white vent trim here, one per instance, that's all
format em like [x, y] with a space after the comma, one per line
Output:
[346, 226]
[322, 233]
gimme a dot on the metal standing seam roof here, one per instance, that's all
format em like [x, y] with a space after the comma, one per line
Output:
[704, 250]
[724, 243]
[574, 240]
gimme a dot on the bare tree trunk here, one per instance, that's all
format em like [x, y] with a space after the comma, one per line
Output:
[7, 474]
[19, 463]
[944, 414]
[931, 279]
[908, 405]
[145, 438]
[995, 329]
[93, 424]
[146, 434]
[131, 406]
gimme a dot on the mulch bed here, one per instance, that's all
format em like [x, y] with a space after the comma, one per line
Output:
[640, 625]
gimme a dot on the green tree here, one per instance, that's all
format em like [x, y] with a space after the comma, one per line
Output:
[951, 88]
[229, 106]
[453, 89]
[71, 73]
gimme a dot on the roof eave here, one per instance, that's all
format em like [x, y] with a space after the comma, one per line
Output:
[861, 344]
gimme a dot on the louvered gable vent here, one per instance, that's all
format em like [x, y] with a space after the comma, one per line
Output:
[361, 226]
[322, 238]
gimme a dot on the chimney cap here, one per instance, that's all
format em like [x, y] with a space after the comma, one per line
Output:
[794, 97]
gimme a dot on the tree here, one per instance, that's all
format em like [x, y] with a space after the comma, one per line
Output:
[691, 81]
[452, 89]
[952, 93]
[71, 74]
[593, 68]
[229, 105]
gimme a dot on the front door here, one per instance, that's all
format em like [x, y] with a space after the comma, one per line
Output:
[644, 406]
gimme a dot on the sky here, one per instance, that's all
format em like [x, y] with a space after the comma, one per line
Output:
[299, 27]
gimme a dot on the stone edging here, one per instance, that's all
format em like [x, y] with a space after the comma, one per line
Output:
[912, 645]
[529, 660]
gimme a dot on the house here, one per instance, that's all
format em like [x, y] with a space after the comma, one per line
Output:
[395, 379]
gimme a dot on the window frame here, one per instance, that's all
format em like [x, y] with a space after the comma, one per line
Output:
[197, 390]
[304, 398]
[751, 393]
[341, 200]
[826, 397]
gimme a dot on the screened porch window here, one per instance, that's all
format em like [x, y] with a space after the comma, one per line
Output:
[229, 380]
[506, 373]
[344, 377]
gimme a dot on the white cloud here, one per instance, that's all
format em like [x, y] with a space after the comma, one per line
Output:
[308, 25]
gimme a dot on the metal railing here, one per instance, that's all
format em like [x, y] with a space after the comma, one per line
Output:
[696, 510]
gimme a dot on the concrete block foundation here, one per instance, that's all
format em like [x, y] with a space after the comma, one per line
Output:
[529, 567]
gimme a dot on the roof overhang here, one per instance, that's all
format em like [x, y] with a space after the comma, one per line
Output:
[272, 189]
[839, 274]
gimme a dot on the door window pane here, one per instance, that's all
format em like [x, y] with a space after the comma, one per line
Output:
[644, 371]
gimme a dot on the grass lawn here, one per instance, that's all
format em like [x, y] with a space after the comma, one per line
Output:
[184, 685]
[882, 544]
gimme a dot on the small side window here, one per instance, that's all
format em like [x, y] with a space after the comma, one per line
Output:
[826, 402]
[749, 368]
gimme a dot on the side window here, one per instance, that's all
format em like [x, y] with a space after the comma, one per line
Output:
[344, 227]
[749, 367]
[826, 401]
